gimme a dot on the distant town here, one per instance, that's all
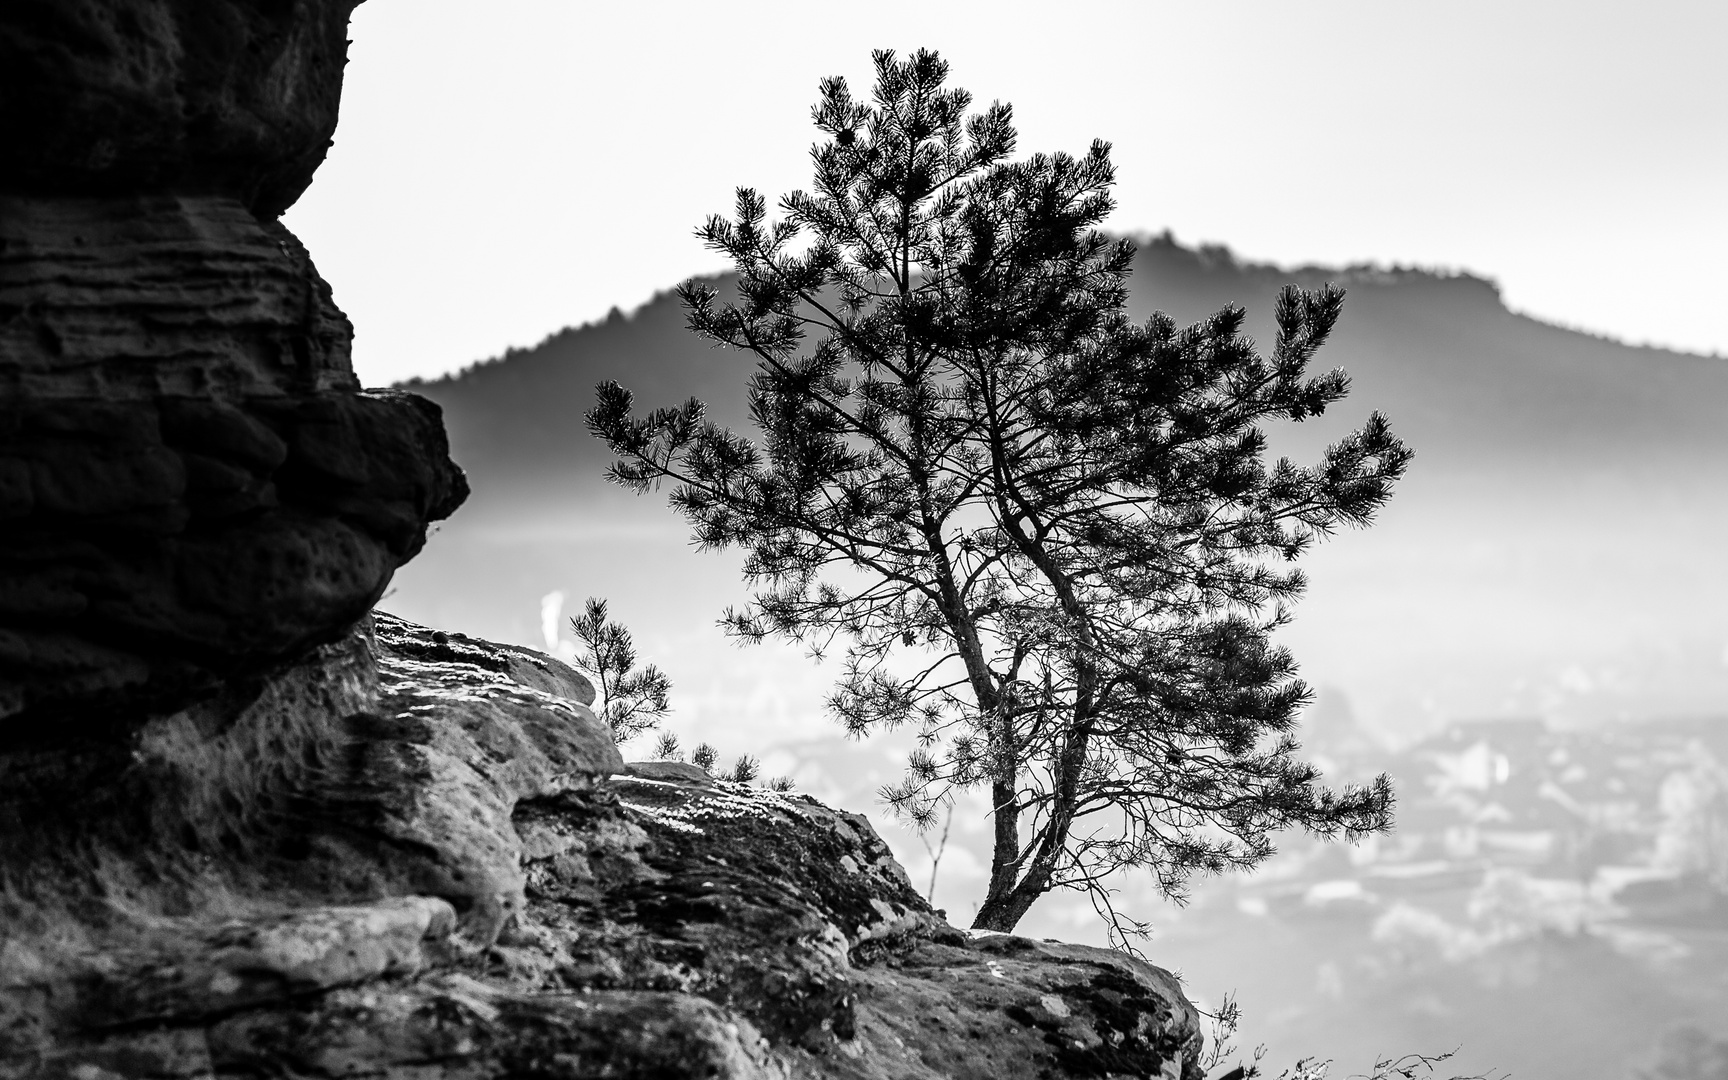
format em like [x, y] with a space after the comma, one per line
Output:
[1510, 828]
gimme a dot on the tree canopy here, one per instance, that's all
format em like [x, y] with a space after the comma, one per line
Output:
[1048, 537]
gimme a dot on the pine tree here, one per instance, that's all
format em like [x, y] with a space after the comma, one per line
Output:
[1047, 535]
[630, 701]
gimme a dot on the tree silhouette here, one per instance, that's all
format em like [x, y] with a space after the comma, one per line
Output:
[630, 701]
[1047, 535]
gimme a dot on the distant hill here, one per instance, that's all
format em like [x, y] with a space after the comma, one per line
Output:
[1469, 384]
[1555, 550]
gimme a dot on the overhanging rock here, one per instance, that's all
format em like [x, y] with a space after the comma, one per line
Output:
[193, 485]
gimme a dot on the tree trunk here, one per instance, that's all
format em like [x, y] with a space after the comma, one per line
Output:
[1002, 912]
[1005, 856]
[1009, 897]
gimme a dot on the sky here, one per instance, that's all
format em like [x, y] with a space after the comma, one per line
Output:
[507, 168]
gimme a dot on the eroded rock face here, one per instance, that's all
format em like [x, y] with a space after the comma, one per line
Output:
[418, 855]
[193, 485]
[208, 97]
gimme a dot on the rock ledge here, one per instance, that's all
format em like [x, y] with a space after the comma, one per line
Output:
[416, 854]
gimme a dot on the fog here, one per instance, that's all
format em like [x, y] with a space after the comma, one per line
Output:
[1530, 640]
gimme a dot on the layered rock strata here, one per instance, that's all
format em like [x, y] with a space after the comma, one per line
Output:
[193, 485]
[418, 855]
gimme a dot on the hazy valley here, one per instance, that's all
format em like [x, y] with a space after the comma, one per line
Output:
[1552, 560]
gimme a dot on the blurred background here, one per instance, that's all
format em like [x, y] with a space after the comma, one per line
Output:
[1523, 201]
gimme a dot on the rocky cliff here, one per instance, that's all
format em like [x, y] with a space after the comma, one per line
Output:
[248, 829]
[193, 485]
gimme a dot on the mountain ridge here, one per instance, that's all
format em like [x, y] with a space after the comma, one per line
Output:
[1473, 386]
[1206, 253]
[1344, 274]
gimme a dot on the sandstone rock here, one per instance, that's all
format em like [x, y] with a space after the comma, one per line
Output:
[416, 854]
[192, 483]
[669, 770]
[197, 969]
[193, 486]
[113, 97]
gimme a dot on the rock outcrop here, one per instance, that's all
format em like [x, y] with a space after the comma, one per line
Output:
[414, 854]
[233, 98]
[193, 485]
[249, 830]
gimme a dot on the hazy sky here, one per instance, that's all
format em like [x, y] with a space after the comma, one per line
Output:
[505, 168]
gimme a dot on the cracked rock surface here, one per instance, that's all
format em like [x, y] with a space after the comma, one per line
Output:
[414, 854]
